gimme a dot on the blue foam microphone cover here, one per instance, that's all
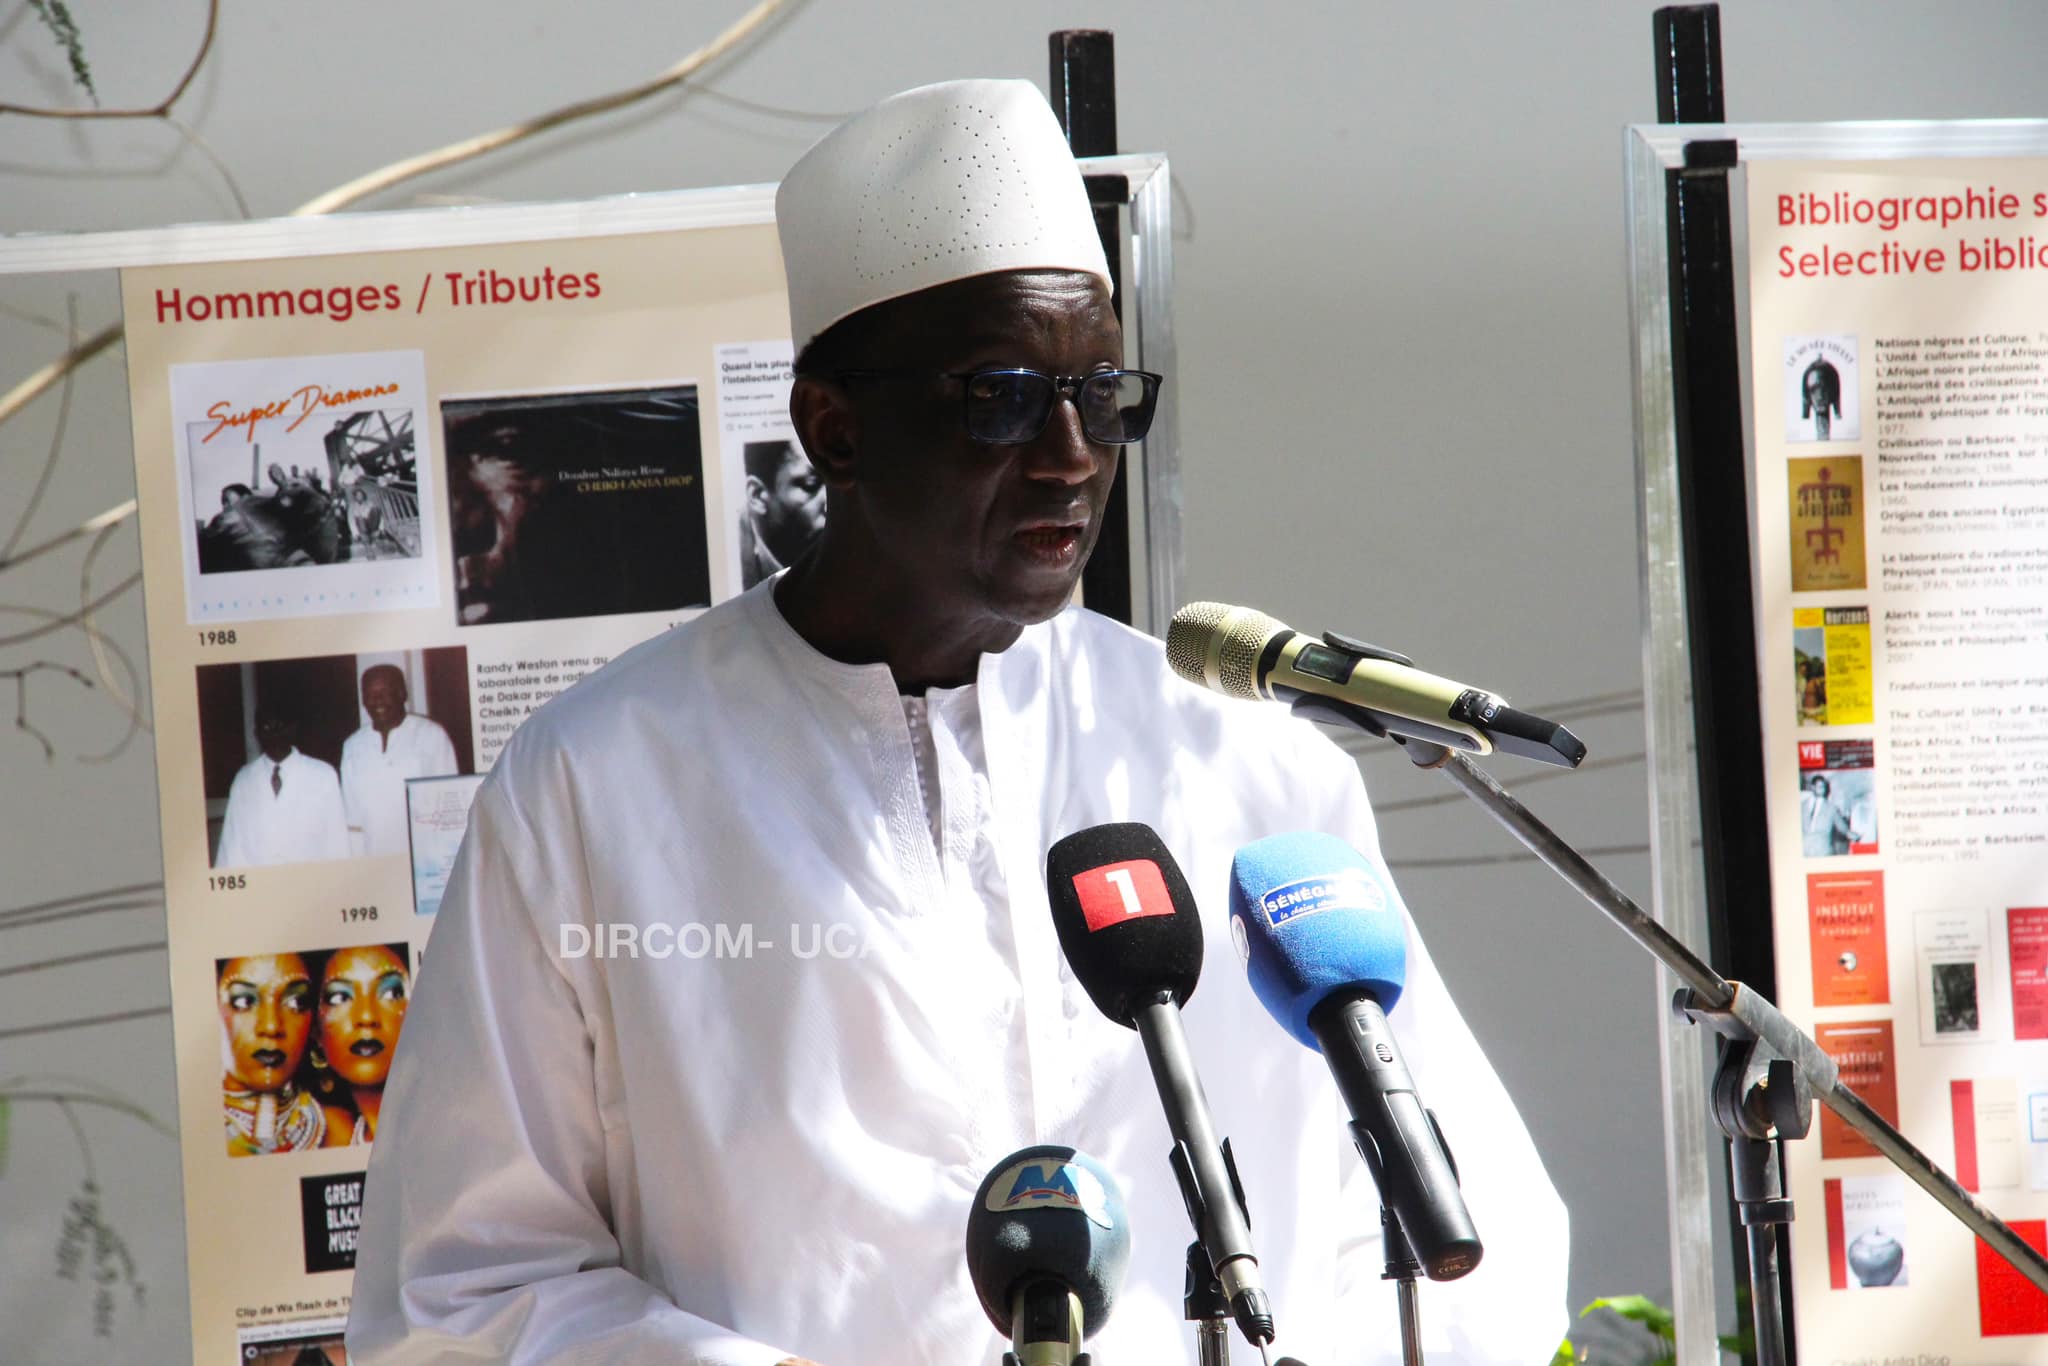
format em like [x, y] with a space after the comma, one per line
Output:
[1310, 915]
[1048, 1213]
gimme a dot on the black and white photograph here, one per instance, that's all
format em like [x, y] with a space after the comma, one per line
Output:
[774, 499]
[1837, 798]
[785, 508]
[1822, 400]
[304, 480]
[1955, 997]
[350, 493]
[1958, 995]
[307, 760]
[578, 504]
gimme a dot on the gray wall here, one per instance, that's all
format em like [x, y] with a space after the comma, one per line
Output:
[1403, 385]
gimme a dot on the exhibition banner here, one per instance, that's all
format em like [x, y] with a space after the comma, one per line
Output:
[391, 502]
[1899, 379]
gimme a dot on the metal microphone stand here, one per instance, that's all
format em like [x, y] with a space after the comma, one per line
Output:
[1402, 1269]
[1758, 1099]
[1762, 1111]
[1207, 1308]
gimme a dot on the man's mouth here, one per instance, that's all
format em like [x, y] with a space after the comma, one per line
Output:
[366, 1048]
[271, 1058]
[1052, 543]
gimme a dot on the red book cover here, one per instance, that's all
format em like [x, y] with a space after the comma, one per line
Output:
[1863, 1050]
[2008, 1305]
[1838, 1245]
[2027, 935]
[1962, 1108]
[1845, 922]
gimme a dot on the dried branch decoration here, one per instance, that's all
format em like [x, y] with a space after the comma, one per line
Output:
[56, 17]
[55, 14]
[24, 393]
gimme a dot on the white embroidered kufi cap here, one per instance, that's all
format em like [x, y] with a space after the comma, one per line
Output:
[930, 186]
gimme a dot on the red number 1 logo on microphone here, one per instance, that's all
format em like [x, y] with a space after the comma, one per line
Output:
[1117, 892]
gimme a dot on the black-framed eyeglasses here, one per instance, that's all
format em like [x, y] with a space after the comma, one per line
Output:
[1006, 407]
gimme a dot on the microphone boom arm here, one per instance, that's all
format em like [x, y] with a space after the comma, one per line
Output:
[1711, 992]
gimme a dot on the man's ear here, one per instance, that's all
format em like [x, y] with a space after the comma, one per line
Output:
[757, 497]
[825, 420]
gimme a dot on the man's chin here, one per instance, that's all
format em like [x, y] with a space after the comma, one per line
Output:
[1030, 604]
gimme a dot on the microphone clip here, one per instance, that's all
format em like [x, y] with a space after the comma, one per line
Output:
[1206, 1299]
[1329, 711]
[1364, 651]
[1183, 1164]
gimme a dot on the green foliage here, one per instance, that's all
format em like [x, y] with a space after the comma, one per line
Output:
[56, 17]
[1661, 1325]
[1638, 1309]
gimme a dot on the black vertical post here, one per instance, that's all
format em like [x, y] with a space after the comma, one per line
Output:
[1083, 93]
[1714, 515]
[1713, 488]
[1689, 64]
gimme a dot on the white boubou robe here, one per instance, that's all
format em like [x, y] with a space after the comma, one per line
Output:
[374, 770]
[759, 1137]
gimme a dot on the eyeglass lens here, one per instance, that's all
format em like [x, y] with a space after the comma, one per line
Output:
[1009, 406]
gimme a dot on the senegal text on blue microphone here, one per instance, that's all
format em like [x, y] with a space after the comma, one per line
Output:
[1348, 889]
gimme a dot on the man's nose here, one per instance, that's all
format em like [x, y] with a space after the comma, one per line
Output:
[1063, 452]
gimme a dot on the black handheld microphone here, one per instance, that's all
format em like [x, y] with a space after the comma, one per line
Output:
[1129, 927]
[1047, 1243]
[1327, 954]
[1242, 652]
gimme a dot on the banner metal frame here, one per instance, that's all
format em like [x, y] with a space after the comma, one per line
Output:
[1156, 555]
[1653, 155]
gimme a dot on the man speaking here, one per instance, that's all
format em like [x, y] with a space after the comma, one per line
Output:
[848, 778]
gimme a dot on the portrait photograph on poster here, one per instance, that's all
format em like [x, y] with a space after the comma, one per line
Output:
[783, 510]
[775, 500]
[1837, 798]
[302, 486]
[307, 759]
[578, 504]
[306, 1044]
